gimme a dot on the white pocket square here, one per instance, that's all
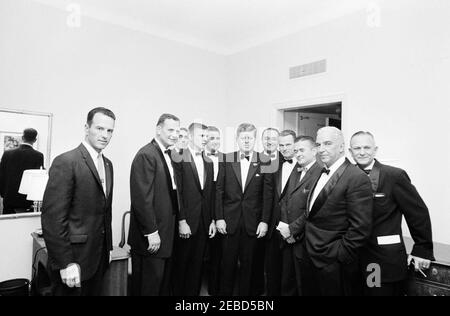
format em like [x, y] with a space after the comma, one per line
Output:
[380, 195]
[257, 175]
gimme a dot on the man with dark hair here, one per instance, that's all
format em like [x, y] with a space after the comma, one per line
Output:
[393, 197]
[13, 164]
[243, 207]
[154, 204]
[195, 218]
[294, 207]
[76, 211]
[183, 140]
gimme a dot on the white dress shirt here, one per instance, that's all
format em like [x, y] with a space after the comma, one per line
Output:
[305, 170]
[168, 163]
[95, 156]
[324, 178]
[199, 164]
[245, 166]
[215, 161]
[370, 167]
[286, 173]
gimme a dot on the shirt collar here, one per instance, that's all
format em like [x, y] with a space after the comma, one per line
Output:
[161, 146]
[192, 150]
[92, 152]
[310, 165]
[370, 167]
[26, 144]
[251, 155]
[337, 164]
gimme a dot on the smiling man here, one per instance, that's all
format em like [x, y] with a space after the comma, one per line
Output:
[154, 204]
[394, 196]
[76, 211]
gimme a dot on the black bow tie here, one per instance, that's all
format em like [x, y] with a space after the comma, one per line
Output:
[246, 157]
[167, 151]
[290, 161]
[325, 170]
[215, 154]
[367, 171]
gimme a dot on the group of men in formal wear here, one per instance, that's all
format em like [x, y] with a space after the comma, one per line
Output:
[295, 219]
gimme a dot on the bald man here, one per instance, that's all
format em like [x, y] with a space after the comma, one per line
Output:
[337, 222]
[393, 196]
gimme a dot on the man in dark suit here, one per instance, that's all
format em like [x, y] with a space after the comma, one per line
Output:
[393, 197]
[13, 164]
[196, 223]
[337, 222]
[243, 207]
[154, 204]
[215, 244]
[76, 211]
[280, 269]
[305, 150]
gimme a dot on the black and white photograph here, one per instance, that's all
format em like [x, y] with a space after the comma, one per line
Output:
[224, 155]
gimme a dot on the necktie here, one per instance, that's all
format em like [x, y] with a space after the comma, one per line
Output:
[101, 171]
[325, 170]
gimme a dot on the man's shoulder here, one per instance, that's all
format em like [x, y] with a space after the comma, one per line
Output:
[391, 170]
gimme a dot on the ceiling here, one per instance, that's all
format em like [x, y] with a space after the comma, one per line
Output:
[221, 26]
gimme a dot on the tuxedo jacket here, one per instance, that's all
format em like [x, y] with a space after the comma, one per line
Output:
[339, 222]
[76, 212]
[394, 196]
[254, 204]
[153, 202]
[12, 166]
[196, 204]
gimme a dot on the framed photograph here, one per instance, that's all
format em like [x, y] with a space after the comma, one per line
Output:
[12, 140]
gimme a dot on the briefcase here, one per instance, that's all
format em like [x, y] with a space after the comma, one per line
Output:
[436, 282]
[116, 280]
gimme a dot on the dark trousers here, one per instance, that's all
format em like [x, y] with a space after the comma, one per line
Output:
[336, 279]
[387, 289]
[188, 263]
[215, 258]
[258, 276]
[239, 247]
[151, 276]
[280, 268]
[91, 287]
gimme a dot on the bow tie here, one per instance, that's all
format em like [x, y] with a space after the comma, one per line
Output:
[246, 157]
[325, 170]
[215, 154]
[367, 171]
[167, 151]
[198, 153]
[290, 161]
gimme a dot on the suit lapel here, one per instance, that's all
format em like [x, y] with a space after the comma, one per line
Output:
[328, 188]
[374, 176]
[293, 179]
[87, 158]
[109, 177]
[236, 164]
[194, 170]
[166, 168]
[254, 164]
[306, 176]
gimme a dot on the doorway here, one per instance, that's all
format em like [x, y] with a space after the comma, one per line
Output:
[307, 120]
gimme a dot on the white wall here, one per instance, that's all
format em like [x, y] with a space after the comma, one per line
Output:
[395, 79]
[46, 66]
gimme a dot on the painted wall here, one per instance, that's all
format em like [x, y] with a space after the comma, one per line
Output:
[46, 66]
[394, 79]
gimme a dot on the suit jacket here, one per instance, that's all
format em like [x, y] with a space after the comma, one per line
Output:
[76, 213]
[12, 166]
[153, 204]
[339, 223]
[195, 204]
[393, 197]
[254, 204]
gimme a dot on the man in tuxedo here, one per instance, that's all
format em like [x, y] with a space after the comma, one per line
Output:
[13, 164]
[183, 140]
[154, 205]
[337, 222]
[195, 219]
[393, 197]
[280, 270]
[215, 244]
[243, 207]
[76, 211]
[305, 150]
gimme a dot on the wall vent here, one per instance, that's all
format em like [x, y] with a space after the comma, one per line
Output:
[308, 69]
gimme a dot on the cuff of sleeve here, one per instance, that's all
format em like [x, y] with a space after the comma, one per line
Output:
[423, 252]
[152, 234]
